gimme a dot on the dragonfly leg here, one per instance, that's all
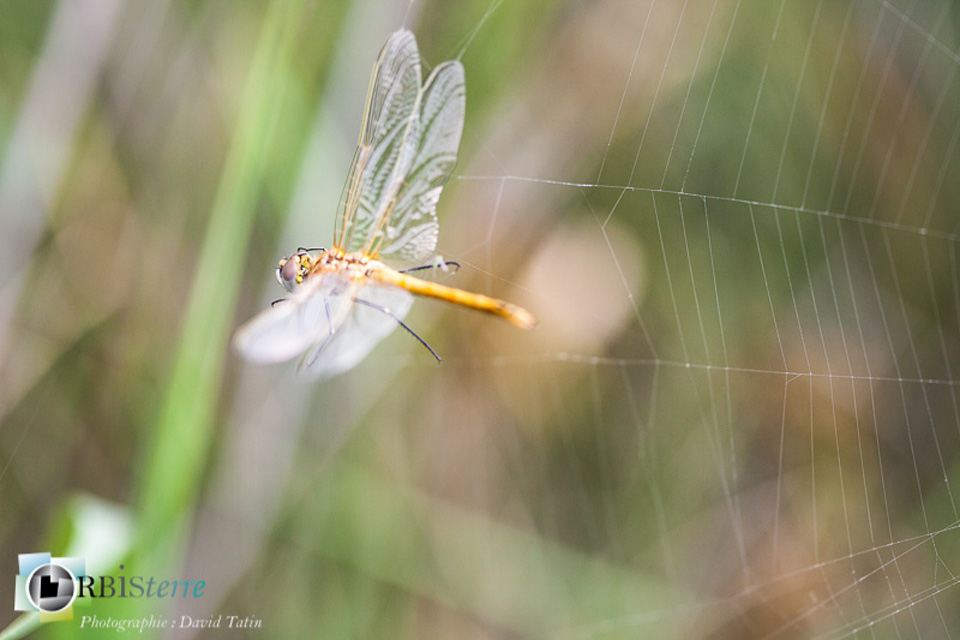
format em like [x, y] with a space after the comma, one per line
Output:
[401, 323]
[441, 265]
[326, 341]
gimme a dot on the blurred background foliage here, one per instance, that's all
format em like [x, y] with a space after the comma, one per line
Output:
[737, 223]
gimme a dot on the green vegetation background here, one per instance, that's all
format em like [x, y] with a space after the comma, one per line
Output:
[523, 487]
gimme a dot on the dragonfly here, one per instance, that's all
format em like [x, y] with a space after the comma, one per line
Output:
[345, 299]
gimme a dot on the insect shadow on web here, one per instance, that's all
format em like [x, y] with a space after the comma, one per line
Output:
[386, 311]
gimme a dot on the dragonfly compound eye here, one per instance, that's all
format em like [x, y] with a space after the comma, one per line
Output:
[289, 272]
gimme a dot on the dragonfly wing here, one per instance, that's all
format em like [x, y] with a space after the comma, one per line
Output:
[365, 325]
[410, 235]
[291, 326]
[388, 137]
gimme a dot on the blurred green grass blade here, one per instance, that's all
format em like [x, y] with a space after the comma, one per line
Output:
[178, 453]
[24, 625]
[453, 555]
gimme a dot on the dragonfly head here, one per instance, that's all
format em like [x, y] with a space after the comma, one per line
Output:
[292, 271]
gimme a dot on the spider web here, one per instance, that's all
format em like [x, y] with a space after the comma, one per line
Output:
[781, 403]
[739, 417]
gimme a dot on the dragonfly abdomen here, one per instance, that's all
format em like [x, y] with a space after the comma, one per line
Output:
[512, 313]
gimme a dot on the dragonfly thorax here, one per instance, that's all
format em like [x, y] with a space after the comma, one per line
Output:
[294, 271]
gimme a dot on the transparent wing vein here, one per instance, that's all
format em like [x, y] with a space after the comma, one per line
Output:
[388, 138]
[410, 235]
